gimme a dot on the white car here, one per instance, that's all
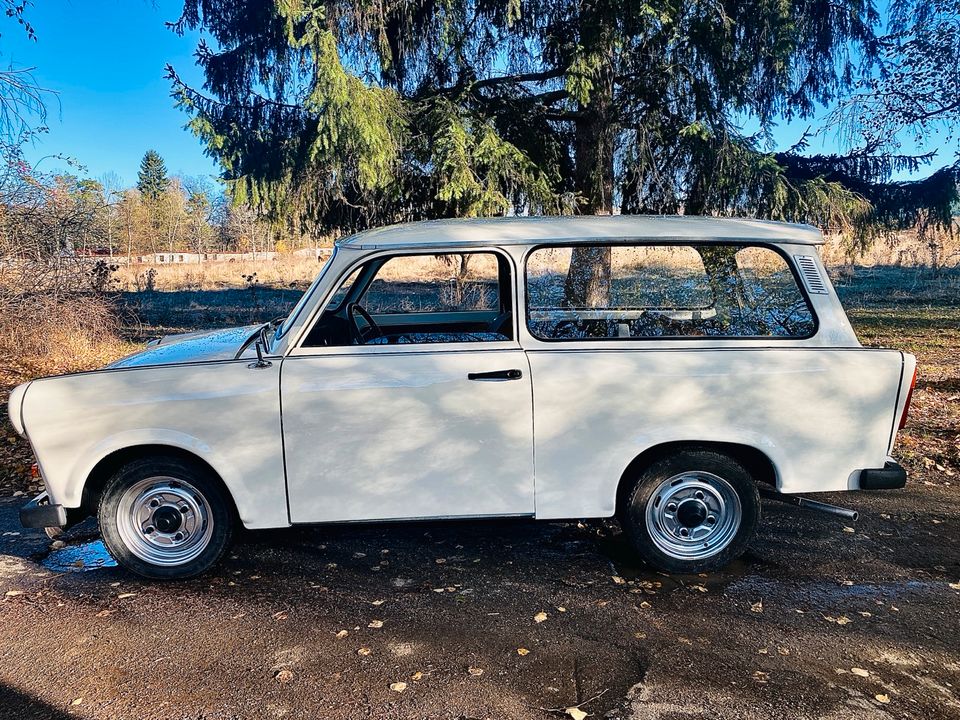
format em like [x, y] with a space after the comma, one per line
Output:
[657, 369]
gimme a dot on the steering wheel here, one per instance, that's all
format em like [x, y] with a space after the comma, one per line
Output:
[362, 335]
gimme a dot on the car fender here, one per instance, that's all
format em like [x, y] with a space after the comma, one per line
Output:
[230, 475]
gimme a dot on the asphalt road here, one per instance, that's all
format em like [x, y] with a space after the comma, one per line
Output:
[816, 621]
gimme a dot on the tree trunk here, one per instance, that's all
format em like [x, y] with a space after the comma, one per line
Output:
[588, 279]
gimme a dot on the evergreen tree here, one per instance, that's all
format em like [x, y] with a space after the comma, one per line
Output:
[152, 178]
[348, 113]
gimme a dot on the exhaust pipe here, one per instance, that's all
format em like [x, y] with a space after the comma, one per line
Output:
[809, 504]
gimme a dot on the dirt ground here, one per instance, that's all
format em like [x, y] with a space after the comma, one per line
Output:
[821, 619]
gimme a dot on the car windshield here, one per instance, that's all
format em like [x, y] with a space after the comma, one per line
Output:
[288, 323]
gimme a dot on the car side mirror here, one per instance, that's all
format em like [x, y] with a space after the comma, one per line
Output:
[260, 345]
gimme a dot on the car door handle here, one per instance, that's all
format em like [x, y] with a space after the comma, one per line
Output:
[496, 375]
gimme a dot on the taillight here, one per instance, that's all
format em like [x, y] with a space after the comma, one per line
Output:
[906, 405]
[35, 472]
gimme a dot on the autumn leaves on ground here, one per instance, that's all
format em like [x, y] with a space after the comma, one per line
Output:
[822, 618]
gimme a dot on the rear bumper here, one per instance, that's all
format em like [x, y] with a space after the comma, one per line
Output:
[890, 477]
[39, 513]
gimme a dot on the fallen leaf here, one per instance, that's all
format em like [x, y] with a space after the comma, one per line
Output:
[783, 651]
[860, 672]
[417, 675]
[522, 651]
[864, 613]
[699, 588]
[761, 677]
[378, 603]
[540, 617]
[475, 671]
[640, 635]
[398, 686]
[560, 608]
[104, 613]
[283, 676]
[364, 651]
[77, 701]
[763, 651]
[375, 624]
[280, 615]
[757, 607]
[342, 634]
[842, 620]
[645, 605]
[576, 713]
[848, 529]
[14, 593]
[955, 586]
[882, 698]
[618, 580]
[123, 596]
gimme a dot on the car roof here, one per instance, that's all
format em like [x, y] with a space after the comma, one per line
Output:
[580, 229]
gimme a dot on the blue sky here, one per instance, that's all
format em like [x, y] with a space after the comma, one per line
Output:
[106, 58]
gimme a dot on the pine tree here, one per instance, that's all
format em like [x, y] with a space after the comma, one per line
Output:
[152, 178]
[347, 114]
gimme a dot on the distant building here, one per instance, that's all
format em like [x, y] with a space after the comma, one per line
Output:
[186, 258]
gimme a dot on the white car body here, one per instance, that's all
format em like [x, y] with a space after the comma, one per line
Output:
[387, 432]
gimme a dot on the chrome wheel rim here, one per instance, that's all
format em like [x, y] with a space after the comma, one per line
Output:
[693, 515]
[164, 521]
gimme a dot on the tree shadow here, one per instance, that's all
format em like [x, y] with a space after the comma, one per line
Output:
[17, 705]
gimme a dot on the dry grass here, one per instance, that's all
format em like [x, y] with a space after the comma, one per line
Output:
[48, 335]
[286, 271]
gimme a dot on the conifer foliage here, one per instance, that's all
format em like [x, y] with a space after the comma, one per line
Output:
[344, 114]
[152, 177]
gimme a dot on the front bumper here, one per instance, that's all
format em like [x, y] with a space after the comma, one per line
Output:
[39, 513]
[890, 477]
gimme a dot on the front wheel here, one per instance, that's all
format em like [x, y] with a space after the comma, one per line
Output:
[692, 512]
[165, 518]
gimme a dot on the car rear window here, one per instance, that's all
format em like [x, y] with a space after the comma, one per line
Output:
[643, 291]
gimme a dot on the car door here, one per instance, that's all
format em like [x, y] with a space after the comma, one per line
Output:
[406, 428]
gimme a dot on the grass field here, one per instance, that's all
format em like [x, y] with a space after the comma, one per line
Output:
[900, 310]
[909, 309]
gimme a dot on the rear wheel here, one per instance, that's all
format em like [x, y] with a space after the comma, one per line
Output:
[165, 518]
[692, 512]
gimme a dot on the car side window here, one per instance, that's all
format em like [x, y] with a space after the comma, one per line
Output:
[645, 291]
[420, 299]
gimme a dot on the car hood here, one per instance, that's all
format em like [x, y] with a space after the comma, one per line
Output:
[191, 347]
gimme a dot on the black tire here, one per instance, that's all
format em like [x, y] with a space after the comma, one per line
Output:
[202, 491]
[651, 493]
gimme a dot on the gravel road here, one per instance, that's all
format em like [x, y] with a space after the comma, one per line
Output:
[440, 620]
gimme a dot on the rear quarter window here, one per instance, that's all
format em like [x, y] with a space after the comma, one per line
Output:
[667, 291]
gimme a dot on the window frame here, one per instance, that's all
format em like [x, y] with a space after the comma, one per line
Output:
[686, 242]
[298, 348]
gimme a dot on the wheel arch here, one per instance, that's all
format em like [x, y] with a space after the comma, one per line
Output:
[754, 460]
[108, 465]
